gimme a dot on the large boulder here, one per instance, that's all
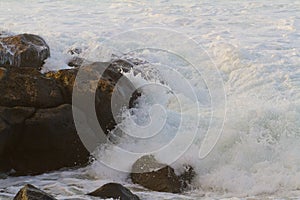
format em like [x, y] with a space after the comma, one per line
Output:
[156, 176]
[24, 50]
[29, 192]
[115, 191]
[37, 130]
[46, 140]
[28, 87]
[101, 79]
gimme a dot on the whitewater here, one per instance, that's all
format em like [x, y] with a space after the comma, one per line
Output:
[252, 48]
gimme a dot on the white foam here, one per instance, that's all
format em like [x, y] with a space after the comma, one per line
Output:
[254, 45]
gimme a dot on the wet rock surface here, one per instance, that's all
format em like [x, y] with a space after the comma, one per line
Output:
[47, 140]
[28, 87]
[151, 174]
[37, 129]
[24, 50]
[156, 176]
[115, 191]
[29, 192]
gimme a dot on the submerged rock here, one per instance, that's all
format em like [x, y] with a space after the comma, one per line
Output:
[24, 50]
[29, 192]
[151, 174]
[115, 191]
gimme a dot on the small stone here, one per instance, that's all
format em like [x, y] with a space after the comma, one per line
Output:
[151, 174]
[115, 191]
[29, 192]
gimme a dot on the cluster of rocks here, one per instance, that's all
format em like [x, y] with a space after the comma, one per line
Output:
[37, 130]
[109, 190]
[146, 171]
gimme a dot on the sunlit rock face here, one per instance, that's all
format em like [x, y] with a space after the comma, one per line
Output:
[24, 50]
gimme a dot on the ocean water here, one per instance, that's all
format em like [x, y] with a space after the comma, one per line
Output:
[225, 72]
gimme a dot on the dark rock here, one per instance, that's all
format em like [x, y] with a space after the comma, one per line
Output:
[115, 191]
[28, 87]
[24, 50]
[75, 61]
[5, 131]
[29, 192]
[16, 115]
[151, 174]
[187, 176]
[65, 78]
[2, 73]
[100, 79]
[46, 141]
[11, 120]
[75, 51]
[122, 64]
[37, 131]
[133, 103]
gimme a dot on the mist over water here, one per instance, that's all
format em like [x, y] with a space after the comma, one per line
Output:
[254, 45]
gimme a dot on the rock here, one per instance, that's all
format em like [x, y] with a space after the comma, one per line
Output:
[75, 51]
[11, 120]
[28, 87]
[2, 73]
[4, 139]
[24, 50]
[65, 78]
[100, 79]
[75, 61]
[46, 141]
[115, 191]
[16, 115]
[122, 64]
[187, 177]
[37, 130]
[29, 192]
[151, 174]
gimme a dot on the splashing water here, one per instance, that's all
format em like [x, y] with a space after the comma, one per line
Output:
[255, 46]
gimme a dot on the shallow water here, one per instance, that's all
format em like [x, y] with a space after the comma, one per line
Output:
[255, 48]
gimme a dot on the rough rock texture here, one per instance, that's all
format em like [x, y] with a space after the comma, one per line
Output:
[115, 191]
[37, 131]
[151, 174]
[29, 192]
[2, 72]
[24, 50]
[47, 140]
[28, 87]
[187, 177]
[65, 78]
[101, 81]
